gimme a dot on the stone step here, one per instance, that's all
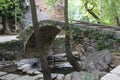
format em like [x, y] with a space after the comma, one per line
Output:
[26, 77]
[9, 77]
[2, 73]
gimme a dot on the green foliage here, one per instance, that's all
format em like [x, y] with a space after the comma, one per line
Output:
[10, 8]
[88, 76]
[52, 2]
[103, 40]
[110, 9]
[118, 40]
[100, 45]
[11, 45]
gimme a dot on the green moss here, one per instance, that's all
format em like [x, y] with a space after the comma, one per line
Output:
[11, 45]
[100, 45]
[118, 40]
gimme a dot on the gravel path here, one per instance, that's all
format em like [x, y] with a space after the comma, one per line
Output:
[4, 38]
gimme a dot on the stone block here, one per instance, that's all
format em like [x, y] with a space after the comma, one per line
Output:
[9, 77]
[110, 76]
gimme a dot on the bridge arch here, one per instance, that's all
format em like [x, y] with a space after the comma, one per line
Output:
[49, 31]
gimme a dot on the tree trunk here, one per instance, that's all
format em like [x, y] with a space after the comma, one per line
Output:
[71, 58]
[100, 8]
[91, 12]
[2, 31]
[7, 27]
[39, 43]
[117, 21]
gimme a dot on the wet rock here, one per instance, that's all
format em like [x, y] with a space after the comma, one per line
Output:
[98, 60]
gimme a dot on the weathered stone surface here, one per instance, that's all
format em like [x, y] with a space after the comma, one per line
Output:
[9, 77]
[118, 34]
[116, 70]
[40, 76]
[98, 60]
[62, 64]
[113, 75]
[40, 15]
[90, 49]
[9, 68]
[67, 77]
[26, 78]
[30, 66]
[26, 61]
[54, 75]
[100, 74]
[33, 71]
[49, 31]
[2, 73]
[25, 67]
[60, 77]
[110, 76]
[83, 76]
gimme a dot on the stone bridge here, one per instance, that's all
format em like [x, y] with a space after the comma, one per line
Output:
[89, 35]
[51, 28]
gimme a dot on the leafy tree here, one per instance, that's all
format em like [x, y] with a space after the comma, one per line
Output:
[104, 11]
[11, 10]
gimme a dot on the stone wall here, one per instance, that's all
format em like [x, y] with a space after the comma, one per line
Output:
[95, 39]
[56, 12]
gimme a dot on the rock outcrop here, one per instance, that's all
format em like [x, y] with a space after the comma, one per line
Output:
[98, 60]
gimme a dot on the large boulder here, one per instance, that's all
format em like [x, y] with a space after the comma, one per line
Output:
[98, 60]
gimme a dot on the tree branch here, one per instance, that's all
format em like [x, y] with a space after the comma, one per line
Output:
[91, 12]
